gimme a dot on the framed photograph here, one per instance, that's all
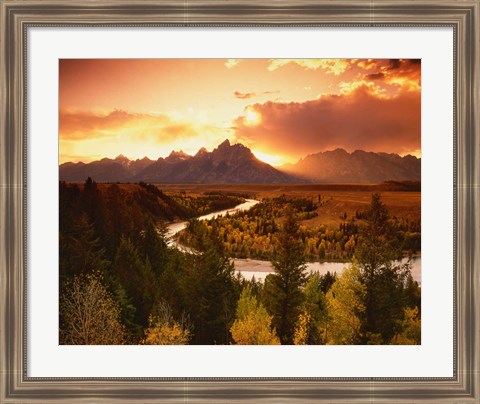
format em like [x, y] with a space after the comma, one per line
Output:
[249, 202]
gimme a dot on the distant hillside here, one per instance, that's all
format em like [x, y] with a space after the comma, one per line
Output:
[120, 169]
[227, 164]
[360, 167]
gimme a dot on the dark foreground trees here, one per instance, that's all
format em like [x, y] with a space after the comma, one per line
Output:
[209, 289]
[382, 275]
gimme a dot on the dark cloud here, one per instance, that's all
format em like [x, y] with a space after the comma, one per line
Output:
[404, 73]
[375, 76]
[360, 119]
[402, 63]
[394, 64]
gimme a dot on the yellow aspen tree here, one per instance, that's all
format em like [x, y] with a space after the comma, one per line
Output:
[252, 325]
[345, 307]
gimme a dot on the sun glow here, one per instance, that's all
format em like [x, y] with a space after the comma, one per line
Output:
[252, 118]
[416, 153]
[270, 159]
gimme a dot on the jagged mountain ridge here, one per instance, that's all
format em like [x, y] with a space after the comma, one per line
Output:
[236, 164]
[339, 166]
[227, 164]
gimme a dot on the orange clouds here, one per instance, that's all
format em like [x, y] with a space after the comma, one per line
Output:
[77, 126]
[81, 125]
[136, 135]
[331, 66]
[246, 96]
[360, 118]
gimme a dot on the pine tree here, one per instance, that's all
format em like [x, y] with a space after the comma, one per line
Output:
[283, 289]
[81, 252]
[209, 289]
[155, 247]
[136, 278]
[384, 279]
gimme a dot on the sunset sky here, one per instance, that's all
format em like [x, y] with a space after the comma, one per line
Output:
[283, 109]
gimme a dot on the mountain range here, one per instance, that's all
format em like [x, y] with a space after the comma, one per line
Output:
[236, 164]
[358, 167]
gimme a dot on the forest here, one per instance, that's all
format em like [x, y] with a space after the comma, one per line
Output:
[123, 282]
[253, 234]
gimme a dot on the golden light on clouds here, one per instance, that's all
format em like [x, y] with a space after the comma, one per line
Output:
[363, 85]
[280, 108]
[331, 66]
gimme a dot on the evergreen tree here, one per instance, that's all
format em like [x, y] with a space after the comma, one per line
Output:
[283, 289]
[93, 204]
[384, 278]
[155, 246]
[209, 290]
[171, 281]
[81, 253]
[136, 278]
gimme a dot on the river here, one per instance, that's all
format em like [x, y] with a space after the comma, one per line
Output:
[259, 269]
[174, 228]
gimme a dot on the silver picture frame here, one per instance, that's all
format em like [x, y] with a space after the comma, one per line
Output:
[17, 16]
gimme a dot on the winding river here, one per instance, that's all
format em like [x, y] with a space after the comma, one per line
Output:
[259, 269]
[174, 228]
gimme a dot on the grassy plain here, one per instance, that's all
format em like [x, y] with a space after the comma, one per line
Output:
[338, 199]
